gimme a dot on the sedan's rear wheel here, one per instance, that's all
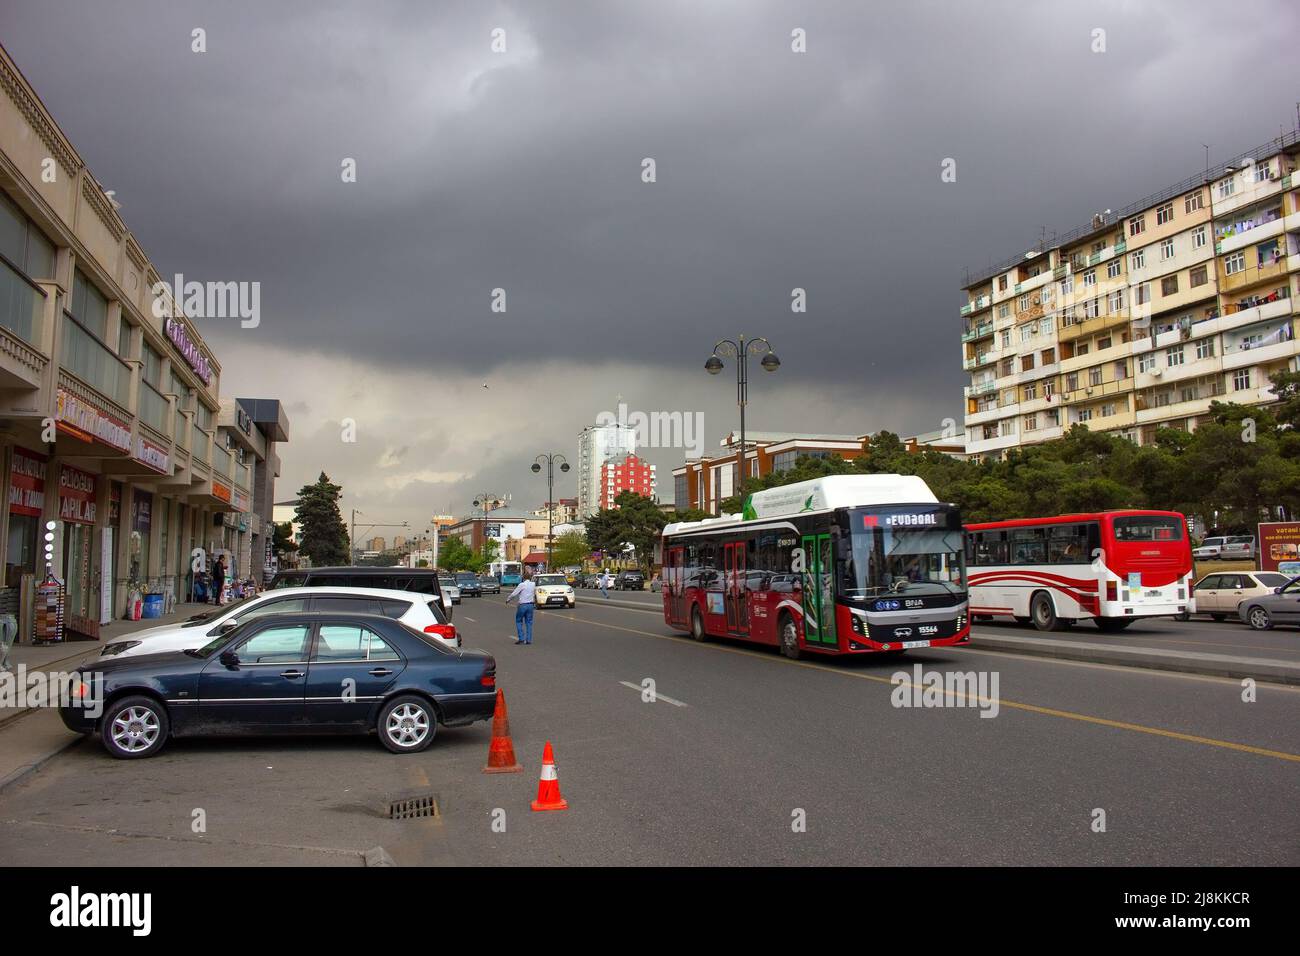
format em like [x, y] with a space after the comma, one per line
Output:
[1259, 619]
[134, 727]
[407, 724]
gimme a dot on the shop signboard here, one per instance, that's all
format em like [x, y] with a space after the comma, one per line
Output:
[27, 483]
[152, 455]
[77, 417]
[76, 495]
[1279, 547]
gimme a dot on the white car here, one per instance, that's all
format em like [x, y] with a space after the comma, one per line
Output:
[449, 588]
[554, 590]
[420, 611]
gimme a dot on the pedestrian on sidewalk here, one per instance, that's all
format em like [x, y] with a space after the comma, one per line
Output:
[8, 634]
[218, 579]
[526, 591]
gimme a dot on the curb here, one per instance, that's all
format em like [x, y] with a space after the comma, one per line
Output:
[1210, 665]
[15, 775]
[377, 856]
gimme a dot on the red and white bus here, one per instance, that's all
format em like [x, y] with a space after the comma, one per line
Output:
[1112, 567]
[840, 565]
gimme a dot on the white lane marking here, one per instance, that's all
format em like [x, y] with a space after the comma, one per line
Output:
[658, 696]
[471, 620]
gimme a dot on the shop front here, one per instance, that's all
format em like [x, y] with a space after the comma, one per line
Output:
[26, 503]
[81, 559]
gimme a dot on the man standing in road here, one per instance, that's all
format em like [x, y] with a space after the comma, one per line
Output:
[604, 584]
[525, 590]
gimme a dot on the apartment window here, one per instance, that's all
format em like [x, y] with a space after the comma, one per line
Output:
[1007, 366]
[1112, 268]
[1103, 344]
[1082, 349]
[1024, 333]
[1198, 276]
[1234, 263]
[88, 306]
[1031, 423]
[1267, 252]
[1022, 304]
[1241, 379]
[1169, 285]
[1165, 214]
[1002, 283]
[1138, 259]
[1146, 362]
[1227, 187]
[1205, 348]
[1090, 277]
[1085, 414]
[1027, 362]
[1004, 310]
[151, 368]
[1137, 225]
[1261, 171]
[1094, 376]
[1092, 308]
[1174, 356]
[1046, 325]
[1115, 301]
[1006, 427]
[1049, 356]
[1166, 249]
[1067, 285]
[1049, 389]
[1108, 410]
[1009, 397]
[1121, 370]
[1198, 237]
[1031, 391]
[1006, 338]
[1187, 394]
[1142, 295]
[1072, 382]
[1194, 201]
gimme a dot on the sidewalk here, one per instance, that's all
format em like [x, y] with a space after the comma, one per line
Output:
[31, 735]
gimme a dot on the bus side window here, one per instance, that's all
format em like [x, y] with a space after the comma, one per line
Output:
[974, 544]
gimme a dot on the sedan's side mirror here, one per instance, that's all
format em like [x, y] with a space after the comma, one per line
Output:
[230, 659]
[228, 626]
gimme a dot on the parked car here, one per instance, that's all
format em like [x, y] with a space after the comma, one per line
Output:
[1209, 549]
[629, 581]
[281, 675]
[468, 584]
[1280, 607]
[1239, 547]
[394, 579]
[450, 589]
[489, 584]
[1220, 595]
[413, 608]
[554, 590]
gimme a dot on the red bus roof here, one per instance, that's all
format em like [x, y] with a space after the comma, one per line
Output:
[1070, 519]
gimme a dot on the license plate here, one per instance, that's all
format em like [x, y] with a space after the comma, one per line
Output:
[1153, 594]
[908, 645]
[556, 601]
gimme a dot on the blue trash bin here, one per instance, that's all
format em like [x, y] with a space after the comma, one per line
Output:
[153, 606]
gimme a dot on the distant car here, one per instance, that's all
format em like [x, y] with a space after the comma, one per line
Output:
[1220, 595]
[488, 584]
[450, 589]
[1210, 548]
[281, 675]
[629, 581]
[393, 579]
[1239, 548]
[468, 584]
[554, 590]
[1280, 607]
[424, 612]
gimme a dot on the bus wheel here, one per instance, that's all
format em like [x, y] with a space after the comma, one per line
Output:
[1183, 617]
[1043, 612]
[1112, 625]
[790, 638]
[697, 626]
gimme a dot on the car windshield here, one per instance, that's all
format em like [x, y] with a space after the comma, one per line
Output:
[207, 617]
[1148, 528]
[919, 562]
[466, 577]
[550, 580]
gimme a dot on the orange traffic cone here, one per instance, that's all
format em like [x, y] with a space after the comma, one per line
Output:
[501, 752]
[548, 786]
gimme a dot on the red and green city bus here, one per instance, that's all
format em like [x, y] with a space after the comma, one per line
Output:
[1112, 567]
[847, 564]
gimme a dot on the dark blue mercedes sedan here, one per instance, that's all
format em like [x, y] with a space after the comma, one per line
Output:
[293, 673]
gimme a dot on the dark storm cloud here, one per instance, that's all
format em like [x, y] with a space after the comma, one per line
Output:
[775, 170]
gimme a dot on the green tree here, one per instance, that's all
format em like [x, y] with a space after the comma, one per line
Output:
[324, 536]
[635, 520]
[282, 542]
[455, 555]
[569, 548]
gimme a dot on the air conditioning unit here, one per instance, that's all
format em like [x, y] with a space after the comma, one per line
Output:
[1157, 372]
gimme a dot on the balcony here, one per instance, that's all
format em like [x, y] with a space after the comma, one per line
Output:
[22, 303]
[980, 331]
[155, 410]
[198, 444]
[1252, 275]
[966, 309]
[92, 362]
[1252, 233]
[1278, 346]
[980, 389]
[1091, 393]
[1086, 327]
[983, 358]
[220, 462]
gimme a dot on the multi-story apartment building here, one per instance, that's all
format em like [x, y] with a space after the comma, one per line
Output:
[562, 511]
[596, 445]
[628, 473]
[1145, 316]
[111, 426]
[250, 429]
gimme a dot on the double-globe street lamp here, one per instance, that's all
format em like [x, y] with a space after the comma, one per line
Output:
[741, 351]
[550, 458]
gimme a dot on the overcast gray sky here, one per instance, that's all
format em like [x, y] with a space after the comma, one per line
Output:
[522, 170]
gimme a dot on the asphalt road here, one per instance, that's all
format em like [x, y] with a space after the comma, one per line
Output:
[739, 744]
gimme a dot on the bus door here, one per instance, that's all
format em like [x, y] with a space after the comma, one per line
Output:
[674, 584]
[819, 590]
[734, 582]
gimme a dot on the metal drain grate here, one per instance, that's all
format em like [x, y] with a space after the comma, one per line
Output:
[411, 808]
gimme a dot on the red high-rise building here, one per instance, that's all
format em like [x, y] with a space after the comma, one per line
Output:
[629, 473]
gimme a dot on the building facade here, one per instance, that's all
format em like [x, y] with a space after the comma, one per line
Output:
[110, 407]
[628, 473]
[1142, 318]
[596, 445]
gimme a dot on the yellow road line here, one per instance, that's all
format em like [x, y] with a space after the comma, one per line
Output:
[1028, 708]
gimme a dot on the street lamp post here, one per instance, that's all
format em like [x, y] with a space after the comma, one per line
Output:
[487, 501]
[741, 351]
[550, 458]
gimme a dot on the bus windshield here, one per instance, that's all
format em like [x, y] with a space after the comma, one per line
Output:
[912, 561]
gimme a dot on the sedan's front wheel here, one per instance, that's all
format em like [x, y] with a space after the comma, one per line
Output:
[134, 727]
[407, 724]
